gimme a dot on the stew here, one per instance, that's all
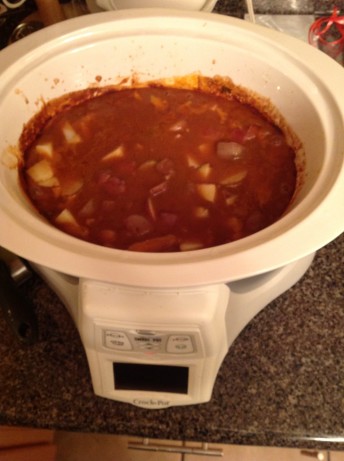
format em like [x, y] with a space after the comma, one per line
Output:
[160, 169]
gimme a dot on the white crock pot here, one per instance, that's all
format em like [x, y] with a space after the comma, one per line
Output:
[303, 83]
[193, 5]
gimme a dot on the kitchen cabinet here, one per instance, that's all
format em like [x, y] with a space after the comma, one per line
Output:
[19, 444]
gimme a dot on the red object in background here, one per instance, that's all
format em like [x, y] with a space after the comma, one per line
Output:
[327, 34]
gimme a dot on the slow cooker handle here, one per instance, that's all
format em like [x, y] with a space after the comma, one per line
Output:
[18, 310]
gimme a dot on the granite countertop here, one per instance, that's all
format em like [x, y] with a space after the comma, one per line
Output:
[282, 382]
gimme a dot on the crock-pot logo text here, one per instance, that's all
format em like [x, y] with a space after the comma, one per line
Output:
[153, 403]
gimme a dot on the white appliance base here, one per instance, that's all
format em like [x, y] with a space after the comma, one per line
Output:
[185, 331]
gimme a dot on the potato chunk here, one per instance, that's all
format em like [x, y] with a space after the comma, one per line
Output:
[71, 136]
[41, 171]
[207, 191]
[190, 245]
[45, 149]
[201, 212]
[66, 217]
[204, 171]
[192, 162]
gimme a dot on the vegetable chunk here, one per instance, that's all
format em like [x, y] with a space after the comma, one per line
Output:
[41, 171]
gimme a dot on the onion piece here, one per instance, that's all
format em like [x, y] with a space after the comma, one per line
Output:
[116, 153]
[151, 208]
[251, 133]
[234, 179]
[229, 150]
[138, 225]
[148, 164]
[41, 171]
[159, 189]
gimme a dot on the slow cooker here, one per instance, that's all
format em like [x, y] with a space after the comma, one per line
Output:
[156, 327]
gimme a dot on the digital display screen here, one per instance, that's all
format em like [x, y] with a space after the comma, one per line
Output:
[156, 378]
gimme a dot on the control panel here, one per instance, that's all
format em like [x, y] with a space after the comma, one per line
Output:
[155, 348]
[144, 341]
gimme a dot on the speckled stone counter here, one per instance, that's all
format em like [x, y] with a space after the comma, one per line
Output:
[238, 7]
[282, 382]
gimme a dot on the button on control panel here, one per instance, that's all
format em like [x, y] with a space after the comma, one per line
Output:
[117, 340]
[149, 341]
[179, 344]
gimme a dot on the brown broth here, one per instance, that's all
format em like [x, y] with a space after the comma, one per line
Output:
[160, 169]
